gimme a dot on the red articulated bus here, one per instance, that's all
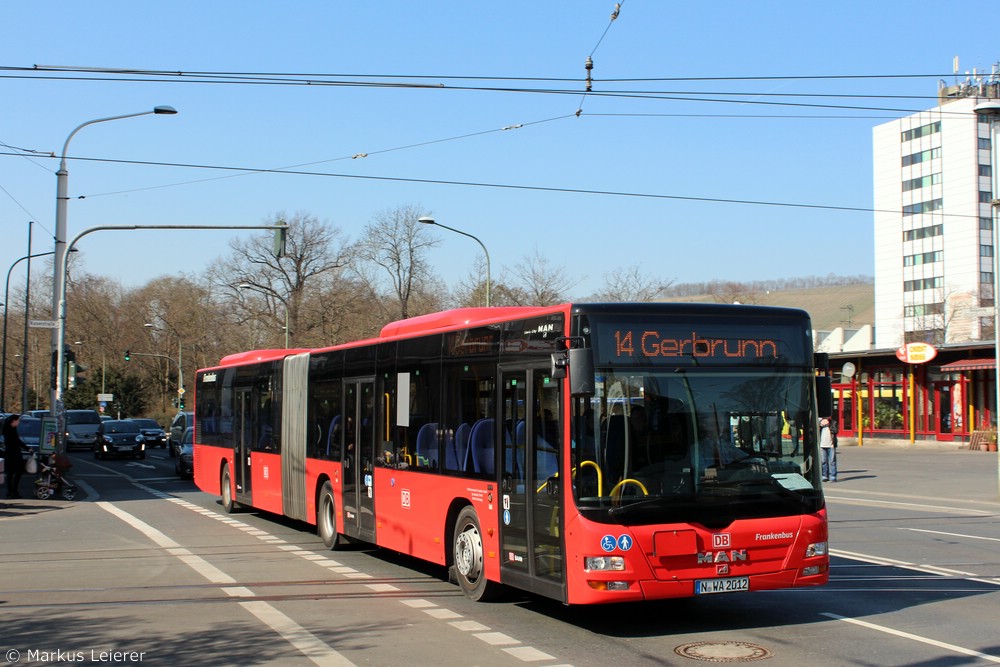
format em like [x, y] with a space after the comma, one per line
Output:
[589, 453]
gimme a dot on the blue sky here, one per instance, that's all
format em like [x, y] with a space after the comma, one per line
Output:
[669, 161]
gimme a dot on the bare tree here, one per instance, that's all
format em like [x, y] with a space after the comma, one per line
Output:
[734, 292]
[631, 284]
[314, 255]
[395, 241]
[538, 283]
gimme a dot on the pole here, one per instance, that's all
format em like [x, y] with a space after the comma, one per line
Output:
[3, 354]
[27, 310]
[180, 373]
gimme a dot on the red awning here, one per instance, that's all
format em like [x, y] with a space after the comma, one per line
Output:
[969, 365]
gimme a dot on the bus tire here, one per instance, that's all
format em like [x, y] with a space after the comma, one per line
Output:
[468, 555]
[326, 518]
[226, 487]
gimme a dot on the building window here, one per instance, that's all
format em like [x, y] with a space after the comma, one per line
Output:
[985, 170]
[922, 131]
[985, 197]
[923, 309]
[985, 251]
[985, 277]
[921, 182]
[923, 283]
[984, 143]
[923, 258]
[922, 156]
[923, 232]
[922, 207]
[986, 224]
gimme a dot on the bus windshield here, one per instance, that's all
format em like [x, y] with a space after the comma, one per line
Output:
[695, 444]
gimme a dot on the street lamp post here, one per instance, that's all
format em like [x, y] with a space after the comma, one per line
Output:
[180, 363]
[427, 220]
[991, 111]
[266, 290]
[62, 199]
[3, 354]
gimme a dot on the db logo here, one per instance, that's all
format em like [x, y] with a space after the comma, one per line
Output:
[721, 541]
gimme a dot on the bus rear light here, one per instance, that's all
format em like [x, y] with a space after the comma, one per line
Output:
[816, 549]
[603, 563]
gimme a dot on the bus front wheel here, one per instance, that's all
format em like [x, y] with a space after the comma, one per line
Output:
[468, 558]
[326, 517]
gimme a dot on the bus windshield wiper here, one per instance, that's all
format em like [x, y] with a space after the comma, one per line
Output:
[656, 502]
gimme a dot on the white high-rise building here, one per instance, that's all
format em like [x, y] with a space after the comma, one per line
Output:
[933, 223]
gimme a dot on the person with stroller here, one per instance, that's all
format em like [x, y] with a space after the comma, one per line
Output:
[13, 455]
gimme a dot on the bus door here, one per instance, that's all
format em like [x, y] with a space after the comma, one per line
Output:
[531, 522]
[243, 430]
[359, 458]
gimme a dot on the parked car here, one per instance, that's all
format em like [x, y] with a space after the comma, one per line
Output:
[30, 430]
[185, 457]
[180, 423]
[81, 428]
[152, 431]
[38, 413]
[119, 437]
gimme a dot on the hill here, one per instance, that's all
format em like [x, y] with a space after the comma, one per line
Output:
[849, 306]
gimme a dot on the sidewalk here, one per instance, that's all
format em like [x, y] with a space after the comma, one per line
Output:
[931, 470]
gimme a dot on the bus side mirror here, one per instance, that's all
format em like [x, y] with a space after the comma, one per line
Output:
[824, 395]
[581, 372]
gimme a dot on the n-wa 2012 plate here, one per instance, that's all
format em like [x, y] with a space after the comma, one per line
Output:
[729, 585]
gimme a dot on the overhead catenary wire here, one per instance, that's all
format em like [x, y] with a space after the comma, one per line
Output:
[502, 186]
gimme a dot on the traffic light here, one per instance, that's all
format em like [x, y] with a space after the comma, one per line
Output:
[70, 369]
[128, 356]
[180, 403]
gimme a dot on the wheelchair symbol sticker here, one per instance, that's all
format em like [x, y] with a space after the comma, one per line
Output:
[608, 543]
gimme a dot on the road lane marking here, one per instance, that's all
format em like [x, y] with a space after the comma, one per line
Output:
[306, 642]
[962, 535]
[927, 569]
[921, 506]
[917, 638]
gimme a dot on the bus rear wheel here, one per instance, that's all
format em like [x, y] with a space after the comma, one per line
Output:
[468, 558]
[326, 518]
[225, 483]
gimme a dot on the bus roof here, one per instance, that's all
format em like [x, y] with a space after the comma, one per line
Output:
[461, 317]
[254, 356]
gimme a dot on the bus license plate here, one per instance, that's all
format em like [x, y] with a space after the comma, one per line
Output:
[731, 585]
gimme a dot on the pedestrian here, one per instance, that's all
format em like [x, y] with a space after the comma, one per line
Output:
[13, 455]
[828, 449]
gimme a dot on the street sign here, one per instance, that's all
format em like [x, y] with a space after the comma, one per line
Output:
[43, 324]
[105, 398]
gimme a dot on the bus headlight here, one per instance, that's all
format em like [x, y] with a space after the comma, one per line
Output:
[603, 563]
[816, 549]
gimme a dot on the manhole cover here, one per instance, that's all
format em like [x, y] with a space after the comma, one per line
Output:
[723, 651]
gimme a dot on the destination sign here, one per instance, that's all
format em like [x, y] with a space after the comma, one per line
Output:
[707, 343]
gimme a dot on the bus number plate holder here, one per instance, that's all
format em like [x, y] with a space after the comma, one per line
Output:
[729, 585]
